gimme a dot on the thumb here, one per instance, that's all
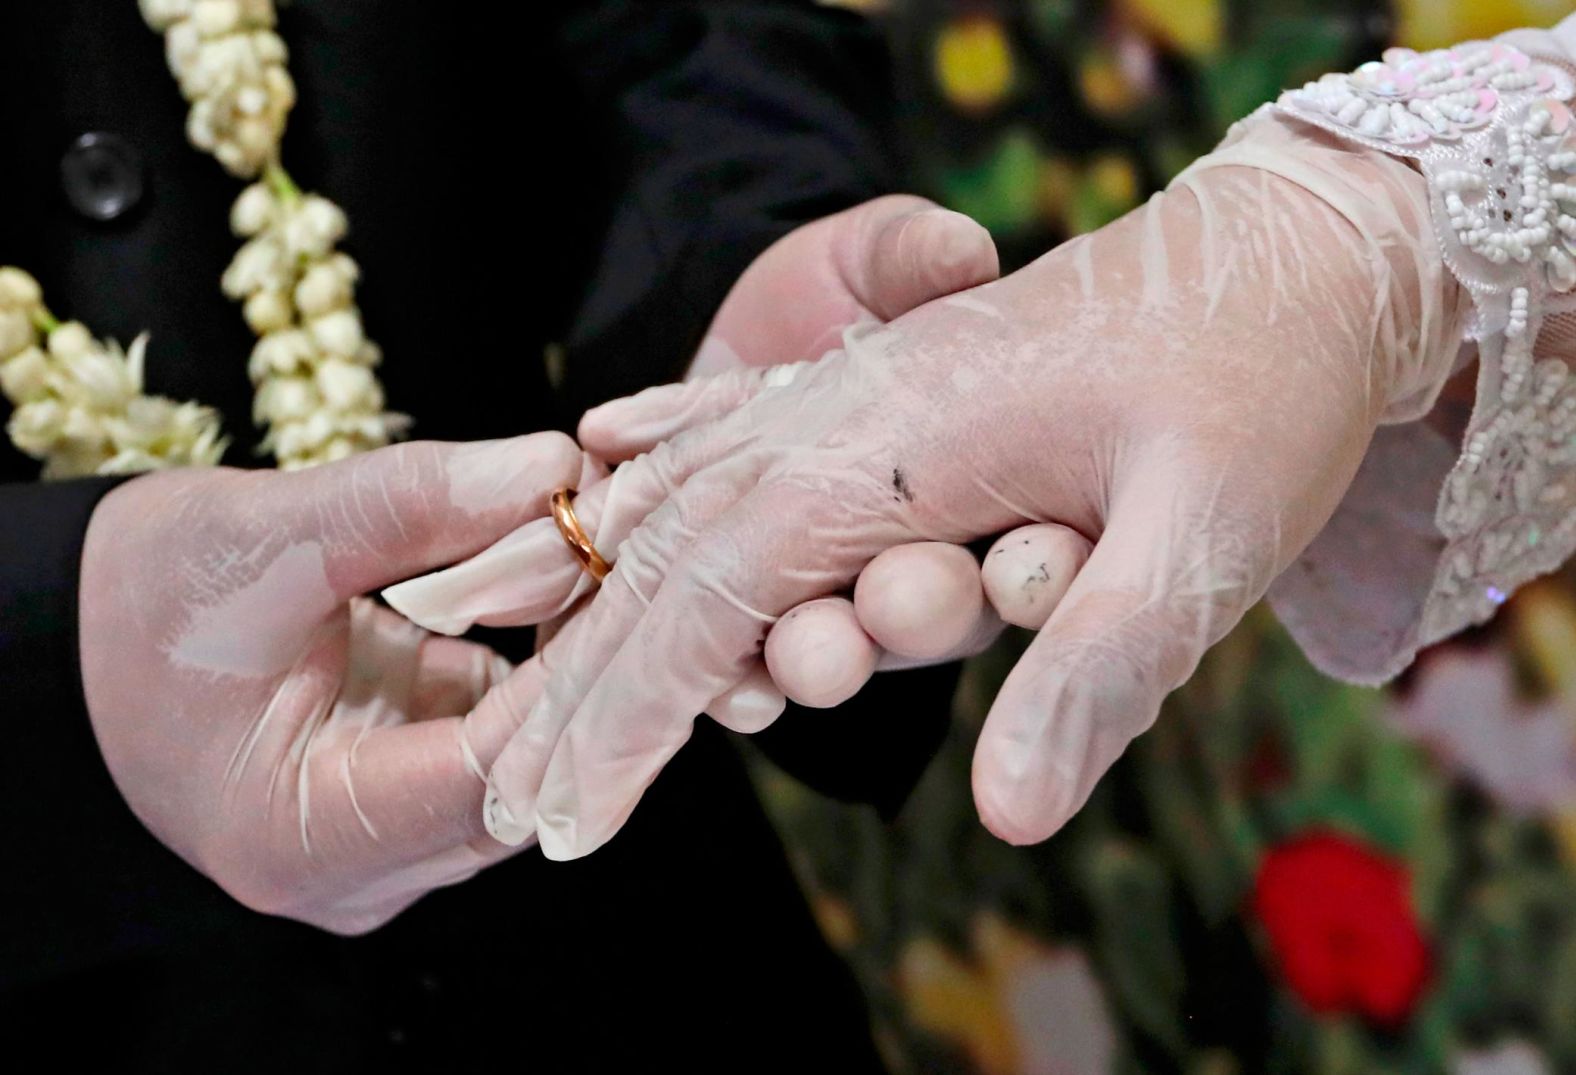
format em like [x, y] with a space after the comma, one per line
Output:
[401, 511]
[899, 252]
[1169, 577]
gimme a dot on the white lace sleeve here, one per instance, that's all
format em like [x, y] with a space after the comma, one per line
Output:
[1491, 127]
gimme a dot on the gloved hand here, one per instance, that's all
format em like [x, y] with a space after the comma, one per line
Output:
[313, 753]
[865, 265]
[1192, 386]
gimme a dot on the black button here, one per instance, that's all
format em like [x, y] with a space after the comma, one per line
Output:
[102, 176]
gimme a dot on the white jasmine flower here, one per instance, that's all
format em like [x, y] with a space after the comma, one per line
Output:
[212, 70]
[254, 137]
[269, 48]
[347, 387]
[370, 355]
[34, 427]
[16, 332]
[313, 226]
[23, 376]
[251, 100]
[79, 403]
[253, 211]
[268, 311]
[162, 14]
[83, 428]
[259, 264]
[70, 340]
[215, 17]
[295, 439]
[200, 130]
[229, 64]
[338, 332]
[95, 379]
[19, 289]
[285, 399]
[279, 353]
[182, 43]
[326, 286]
[277, 81]
[312, 365]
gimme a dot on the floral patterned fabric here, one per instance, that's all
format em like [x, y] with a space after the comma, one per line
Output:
[1287, 874]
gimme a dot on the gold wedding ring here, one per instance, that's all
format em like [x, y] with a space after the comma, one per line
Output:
[575, 536]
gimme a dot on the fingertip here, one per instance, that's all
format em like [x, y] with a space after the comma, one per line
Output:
[1006, 822]
[1018, 799]
[921, 600]
[525, 577]
[751, 706]
[557, 841]
[597, 431]
[411, 600]
[1028, 571]
[819, 655]
[500, 821]
[957, 249]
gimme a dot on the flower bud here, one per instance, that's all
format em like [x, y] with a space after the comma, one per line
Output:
[314, 227]
[83, 427]
[162, 14]
[35, 427]
[256, 138]
[338, 333]
[23, 376]
[285, 399]
[214, 18]
[259, 264]
[281, 88]
[346, 386]
[268, 46]
[70, 340]
[267, 311]
[252, 211]
[96, 378]
[324, 288]
[19, 289]
[200, 130]
[16, 332]
[181, 45]
[280, 353]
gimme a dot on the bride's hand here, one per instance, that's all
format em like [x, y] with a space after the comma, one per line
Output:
[1193, 387]
[866, 265]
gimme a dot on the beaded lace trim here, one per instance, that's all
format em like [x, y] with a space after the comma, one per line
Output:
[1493, 132]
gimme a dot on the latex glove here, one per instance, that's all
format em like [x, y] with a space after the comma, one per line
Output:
[313, 753]
[1193, 386]
[864, 265]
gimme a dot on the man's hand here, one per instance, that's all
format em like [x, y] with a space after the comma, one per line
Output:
[315, 754]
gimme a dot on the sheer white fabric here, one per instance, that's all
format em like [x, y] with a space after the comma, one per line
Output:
[1432, 539]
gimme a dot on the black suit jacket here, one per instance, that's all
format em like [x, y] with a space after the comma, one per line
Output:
[595, 174]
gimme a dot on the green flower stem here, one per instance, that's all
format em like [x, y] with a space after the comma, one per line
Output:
[45, 321]
[279, 181]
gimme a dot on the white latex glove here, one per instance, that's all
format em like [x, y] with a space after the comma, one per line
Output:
[313, 753]
[865, 265]
[1193, 385]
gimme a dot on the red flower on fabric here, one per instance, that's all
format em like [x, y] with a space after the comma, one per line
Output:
[1339, 916]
